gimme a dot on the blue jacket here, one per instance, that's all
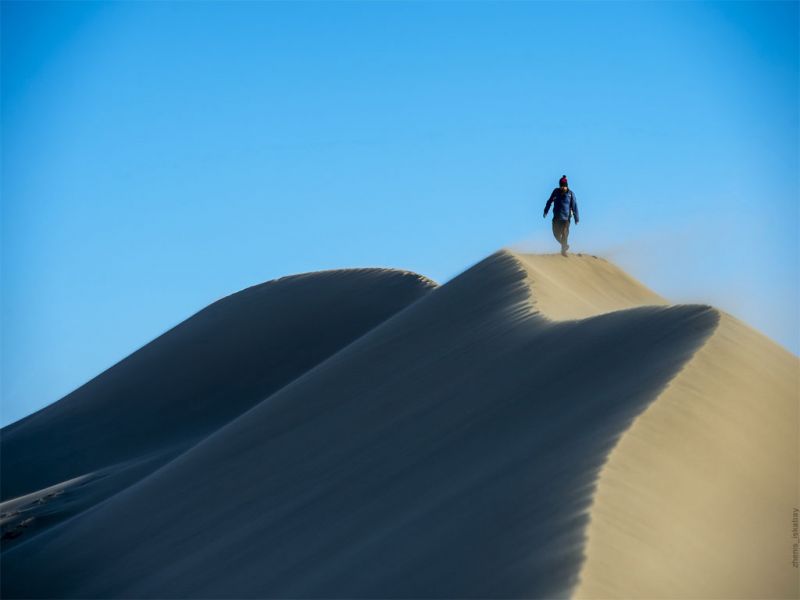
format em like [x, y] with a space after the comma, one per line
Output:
[564, 204]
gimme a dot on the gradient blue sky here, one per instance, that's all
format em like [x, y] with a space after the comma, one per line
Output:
[158, 156]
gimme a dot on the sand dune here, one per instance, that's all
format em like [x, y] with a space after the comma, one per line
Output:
[190, 381]
[537, 427]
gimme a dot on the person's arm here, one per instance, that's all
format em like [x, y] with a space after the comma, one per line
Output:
[574, 207]
[549, 202]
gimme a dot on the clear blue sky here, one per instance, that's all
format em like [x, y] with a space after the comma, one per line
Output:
[157, 156]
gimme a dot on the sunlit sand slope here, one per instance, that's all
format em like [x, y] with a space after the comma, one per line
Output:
[450, 451]
[583, 286]
[696, 500]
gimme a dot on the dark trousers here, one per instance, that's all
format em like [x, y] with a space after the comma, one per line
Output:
[561, 231]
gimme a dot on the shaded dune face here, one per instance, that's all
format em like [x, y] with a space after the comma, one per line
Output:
[451, 451]
[188, 382]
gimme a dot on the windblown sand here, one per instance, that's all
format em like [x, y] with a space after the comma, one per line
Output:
[537, 427]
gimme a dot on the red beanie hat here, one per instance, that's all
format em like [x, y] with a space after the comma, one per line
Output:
[563, 181]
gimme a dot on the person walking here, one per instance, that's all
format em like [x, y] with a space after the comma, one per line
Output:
[564, 206]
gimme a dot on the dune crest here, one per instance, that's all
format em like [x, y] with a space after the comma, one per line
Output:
[473, 442]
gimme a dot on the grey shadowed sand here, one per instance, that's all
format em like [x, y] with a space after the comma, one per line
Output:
[517, 432]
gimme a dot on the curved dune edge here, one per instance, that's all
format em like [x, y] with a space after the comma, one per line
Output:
[696, 498]
[424, 280]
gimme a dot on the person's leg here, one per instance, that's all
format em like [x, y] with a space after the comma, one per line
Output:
[557, 230]
[561, 233]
